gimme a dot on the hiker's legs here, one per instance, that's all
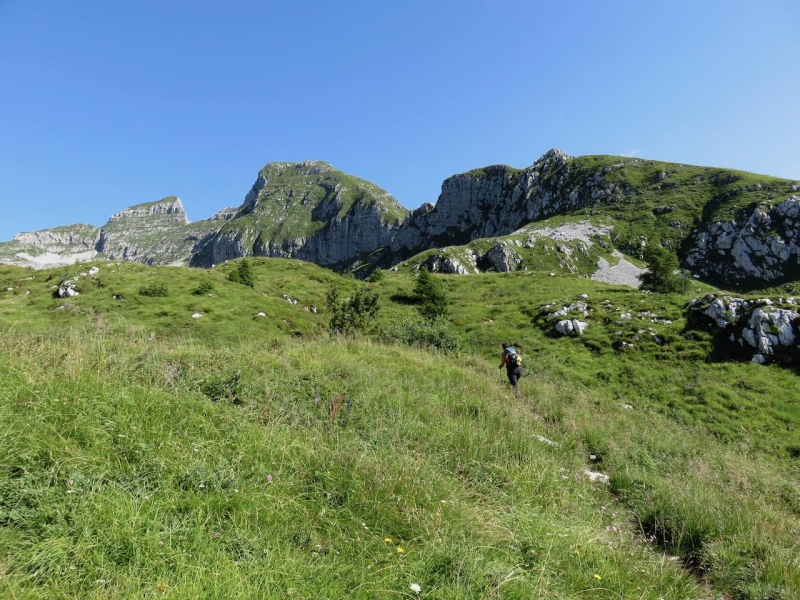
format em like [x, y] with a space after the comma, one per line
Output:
[513, 378]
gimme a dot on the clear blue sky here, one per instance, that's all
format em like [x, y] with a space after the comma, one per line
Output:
[108, 104]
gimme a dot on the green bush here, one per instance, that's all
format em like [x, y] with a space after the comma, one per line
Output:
[351, 314]
[243, 274]
[204, 288]
[431, 295]
[154, 290]
[439, 335]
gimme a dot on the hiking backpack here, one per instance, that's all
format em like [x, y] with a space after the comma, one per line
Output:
[514, 358]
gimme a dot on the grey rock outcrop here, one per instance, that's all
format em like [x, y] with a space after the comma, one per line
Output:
[571, 327]
[503, 259]
[67, 289]
[764, 245]
[764, 327]
[450, 265]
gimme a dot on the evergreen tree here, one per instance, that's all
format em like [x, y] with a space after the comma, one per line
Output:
[431, 295]
[660, 276]
[243, 274]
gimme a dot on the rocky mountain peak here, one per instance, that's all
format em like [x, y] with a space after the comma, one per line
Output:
[169, 207]
[306, 167]
[554, 155]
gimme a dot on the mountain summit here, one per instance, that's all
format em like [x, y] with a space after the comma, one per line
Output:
[307, 210]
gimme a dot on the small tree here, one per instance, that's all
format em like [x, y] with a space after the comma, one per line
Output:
[351, 314]
[243, 274]
[431, 295]
[660, 276]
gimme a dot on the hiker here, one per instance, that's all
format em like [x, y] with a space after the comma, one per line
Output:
[513, 363]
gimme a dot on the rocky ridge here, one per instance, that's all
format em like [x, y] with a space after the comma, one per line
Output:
[730, 226]
[52, 247]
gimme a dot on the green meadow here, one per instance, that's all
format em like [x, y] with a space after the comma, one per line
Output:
[150, 453]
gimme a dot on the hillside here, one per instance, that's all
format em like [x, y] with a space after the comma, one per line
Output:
[246, 453]
[728, 227]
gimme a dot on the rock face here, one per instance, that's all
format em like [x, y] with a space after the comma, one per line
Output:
[487, 202]
[52, 247]
[306, 210]
[151, 233]
[763, 245]
[766, 329]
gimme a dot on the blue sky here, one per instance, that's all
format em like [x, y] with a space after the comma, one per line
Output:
[107, 104]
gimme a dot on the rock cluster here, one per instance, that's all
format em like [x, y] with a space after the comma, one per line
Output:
[764, 327]
[763, 245]
[572, 326]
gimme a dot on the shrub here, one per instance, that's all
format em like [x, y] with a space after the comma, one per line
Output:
[376, 276]
[423, 334]
[204, 288]
[351, 314]
[431, 295]
[661, 277]
[243, 274]
[154, 290]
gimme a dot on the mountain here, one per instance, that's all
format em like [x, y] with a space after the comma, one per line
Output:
[306, 210]
[729, 227]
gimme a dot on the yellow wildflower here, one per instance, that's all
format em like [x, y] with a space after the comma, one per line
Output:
[400, 550]
[596, 576]
[387, 540]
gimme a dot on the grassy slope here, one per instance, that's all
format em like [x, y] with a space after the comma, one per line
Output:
[123, 478]
[698, 195]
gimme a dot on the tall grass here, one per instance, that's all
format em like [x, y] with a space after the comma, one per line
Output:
[230, 457]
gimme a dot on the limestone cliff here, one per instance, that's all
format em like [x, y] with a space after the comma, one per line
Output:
[153, 233]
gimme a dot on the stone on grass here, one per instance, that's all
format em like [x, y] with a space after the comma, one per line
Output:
[596, 476]
[544, 440]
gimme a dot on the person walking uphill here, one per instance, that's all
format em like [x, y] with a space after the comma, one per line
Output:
[513, 363]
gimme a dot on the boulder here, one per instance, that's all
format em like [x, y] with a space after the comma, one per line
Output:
[564, 327]
[67, 289]
[579, 326]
